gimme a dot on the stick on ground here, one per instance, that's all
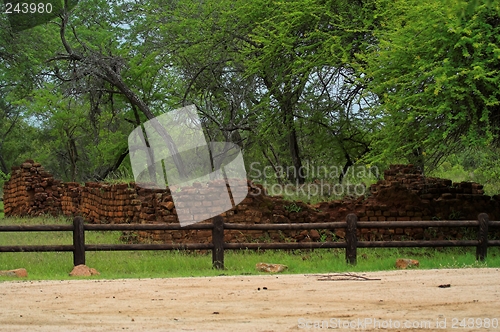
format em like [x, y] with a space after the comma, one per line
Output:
[342, 276]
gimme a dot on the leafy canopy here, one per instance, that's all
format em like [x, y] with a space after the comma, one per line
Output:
[436, 73]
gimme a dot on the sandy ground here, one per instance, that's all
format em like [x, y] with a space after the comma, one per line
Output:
[409, 299]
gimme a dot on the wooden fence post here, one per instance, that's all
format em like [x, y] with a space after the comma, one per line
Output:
[351, 239]
[78, 241]
[218, 242]
[482, 237]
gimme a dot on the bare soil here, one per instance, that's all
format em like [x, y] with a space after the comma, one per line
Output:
[409, 298]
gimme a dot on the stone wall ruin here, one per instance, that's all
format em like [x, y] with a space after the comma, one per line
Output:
[403, 194]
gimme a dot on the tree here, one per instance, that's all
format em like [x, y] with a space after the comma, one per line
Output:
[249, 65]
[303, 52]
[436, 75]
[19, 74]
[93, 58]
[273, 77]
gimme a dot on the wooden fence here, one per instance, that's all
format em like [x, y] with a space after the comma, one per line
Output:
[218, 246]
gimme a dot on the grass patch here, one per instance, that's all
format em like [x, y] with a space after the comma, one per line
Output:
[165, 264]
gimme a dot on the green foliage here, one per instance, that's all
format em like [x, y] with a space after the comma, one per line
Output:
[20, 21]
[3, 178]
[436, 76]
[122, 175]
[455, 215]
[293, 207]
[314, 82]
[480, 165]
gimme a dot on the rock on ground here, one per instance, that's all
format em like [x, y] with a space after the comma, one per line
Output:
[20, 273]
[83, 271]
[273, 268]
[403, 263]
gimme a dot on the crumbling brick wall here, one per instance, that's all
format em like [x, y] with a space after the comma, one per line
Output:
[31, 191]
[403, 194]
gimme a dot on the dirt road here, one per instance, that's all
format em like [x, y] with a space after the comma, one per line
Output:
[400, 301]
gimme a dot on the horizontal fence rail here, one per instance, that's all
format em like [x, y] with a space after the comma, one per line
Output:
[30, 248]
[218, 245]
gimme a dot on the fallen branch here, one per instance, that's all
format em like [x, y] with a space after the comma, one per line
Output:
[342, 276]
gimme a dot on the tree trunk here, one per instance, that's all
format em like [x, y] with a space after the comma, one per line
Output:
[287, 99]
[3, 165]
[347, 164]
[417, 159]
[297, 161]
[115, 79]
[115, 166]
[293, 145]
